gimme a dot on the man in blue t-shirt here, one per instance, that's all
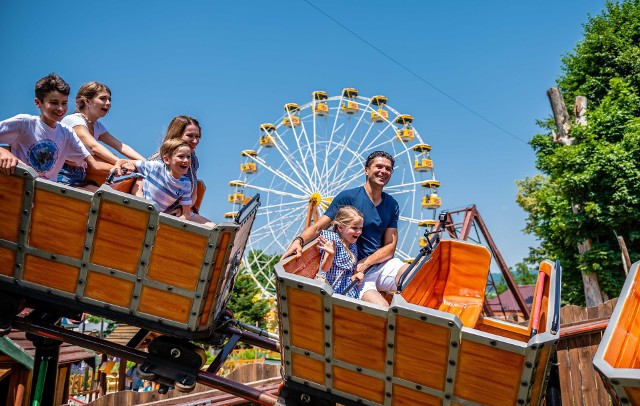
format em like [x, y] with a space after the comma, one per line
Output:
[377, 244]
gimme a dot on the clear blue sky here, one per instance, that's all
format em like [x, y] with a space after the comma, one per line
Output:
[234, 64]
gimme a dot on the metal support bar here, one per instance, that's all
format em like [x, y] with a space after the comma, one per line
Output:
[252, 339]
[137, 339]
[223, 354]
[98, 345]
[45, 371]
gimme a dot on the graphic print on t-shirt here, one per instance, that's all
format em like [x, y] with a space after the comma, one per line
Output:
[43, 155]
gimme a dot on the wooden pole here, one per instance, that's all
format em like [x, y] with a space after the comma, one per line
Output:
[561, 115]
[626, 260]
[592, 292]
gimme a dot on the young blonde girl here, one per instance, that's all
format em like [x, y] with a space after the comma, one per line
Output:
[339, 252]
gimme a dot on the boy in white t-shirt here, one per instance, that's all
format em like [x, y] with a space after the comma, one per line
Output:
[41, 141]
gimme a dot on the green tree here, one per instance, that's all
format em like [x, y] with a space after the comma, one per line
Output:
[245, 302]
[523, 275]
[264, 261]
[599, 172]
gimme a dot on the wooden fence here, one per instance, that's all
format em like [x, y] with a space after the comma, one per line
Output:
[261, 376]
[580, 333]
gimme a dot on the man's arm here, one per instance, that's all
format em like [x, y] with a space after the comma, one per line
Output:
[386, 252]
[307, 235]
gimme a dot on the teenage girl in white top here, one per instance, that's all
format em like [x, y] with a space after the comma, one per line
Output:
[93, 102]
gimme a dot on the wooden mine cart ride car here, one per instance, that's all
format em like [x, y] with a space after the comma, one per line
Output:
[618, 356]
[114, 254]
[432, 346]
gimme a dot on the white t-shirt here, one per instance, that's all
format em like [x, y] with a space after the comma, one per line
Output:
[75, 119]
[41, 147]
[160, 186]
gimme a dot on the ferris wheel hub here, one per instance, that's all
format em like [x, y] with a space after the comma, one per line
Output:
[315, 199]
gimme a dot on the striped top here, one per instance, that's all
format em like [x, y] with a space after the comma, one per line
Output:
[160, 186]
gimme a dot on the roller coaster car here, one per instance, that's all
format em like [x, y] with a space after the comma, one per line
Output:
[430, 347]
[115, 255]
[618, 356]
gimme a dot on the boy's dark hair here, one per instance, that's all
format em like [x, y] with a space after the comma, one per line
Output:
[51, 83]
[379, 154]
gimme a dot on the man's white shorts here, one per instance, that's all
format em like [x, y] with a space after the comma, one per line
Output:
[382, 276]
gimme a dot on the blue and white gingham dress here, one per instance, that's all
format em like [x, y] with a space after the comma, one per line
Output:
[342, 264]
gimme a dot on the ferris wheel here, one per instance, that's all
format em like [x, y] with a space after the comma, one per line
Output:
[314, 151]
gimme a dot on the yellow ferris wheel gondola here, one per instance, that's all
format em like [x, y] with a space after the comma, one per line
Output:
[428, 224]
[405, 134]
[267, 139]
[380, 115]
[292, 120]
[433, 201]
[237, 194]
[249, 166]
[319, 107]
[349, 105]
[422, 161]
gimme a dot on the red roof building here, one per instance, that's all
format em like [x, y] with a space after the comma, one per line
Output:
[504, 306]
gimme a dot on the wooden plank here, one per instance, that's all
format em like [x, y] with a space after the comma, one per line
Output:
[564, 371]
[165, 305]
[51, 274]
[58, 223]
[306, 368]
[488, 375]
[119, 237]
[574, 371]
[358, 384]
[633, 393]
[421, 352]
[306, 320]
[7, 261]
[538, 378]
[307, 265]
[503, 329]
[11, 192]
[587, 373]
[354, 332]
[108, 289]
[216, 271]
[403, 396]
[177, 257]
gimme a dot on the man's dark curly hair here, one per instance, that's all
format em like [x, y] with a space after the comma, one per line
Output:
[379, 154]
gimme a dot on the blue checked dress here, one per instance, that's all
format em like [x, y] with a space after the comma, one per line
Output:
[339, 275]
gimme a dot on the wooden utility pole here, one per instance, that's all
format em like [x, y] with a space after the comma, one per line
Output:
[592, 291]
[561, 115]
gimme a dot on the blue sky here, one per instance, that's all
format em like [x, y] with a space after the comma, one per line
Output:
[234, 64]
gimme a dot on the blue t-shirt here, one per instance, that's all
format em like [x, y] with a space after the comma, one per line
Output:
[376, 218]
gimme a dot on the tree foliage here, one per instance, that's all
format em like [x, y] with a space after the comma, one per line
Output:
[600, 172]
[522, 275]
[245, 303]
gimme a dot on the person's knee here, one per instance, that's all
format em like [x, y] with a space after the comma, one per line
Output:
[373, 296]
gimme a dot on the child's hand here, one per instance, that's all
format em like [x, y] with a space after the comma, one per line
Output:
[327, 246]
[127, 168]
